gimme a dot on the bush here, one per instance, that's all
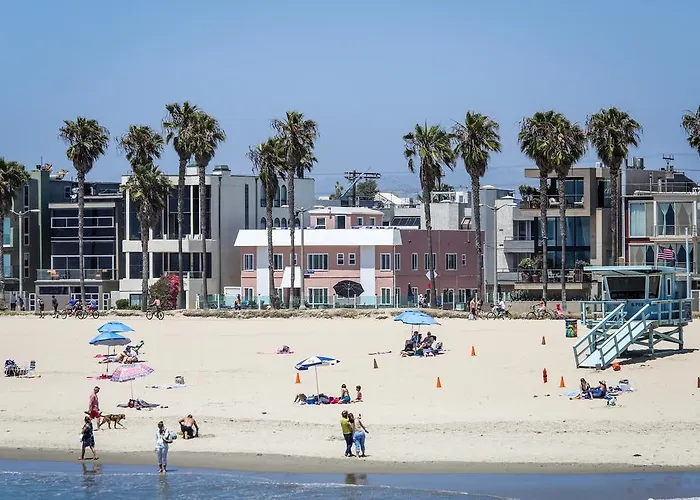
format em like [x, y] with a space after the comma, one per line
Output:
[122, 304]
[166, 289]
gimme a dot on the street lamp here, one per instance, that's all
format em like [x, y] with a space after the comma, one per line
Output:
[495, 210]
[20, 218]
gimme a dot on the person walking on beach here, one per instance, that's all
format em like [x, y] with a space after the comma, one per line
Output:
[40, 306]
[162, 441]
[54, 304]
[87, 439]
[347, 429]
[94, 406]
[359, 436]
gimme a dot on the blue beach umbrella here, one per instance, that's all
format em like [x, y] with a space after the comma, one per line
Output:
[115, 327]
[314, 362]
[110, 339]
[414, 317]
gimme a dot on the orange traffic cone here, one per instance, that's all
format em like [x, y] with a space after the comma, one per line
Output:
[561, 383]
[375, 364]
[544, 342]
[473, 351]
[298, 381]
[439, 384]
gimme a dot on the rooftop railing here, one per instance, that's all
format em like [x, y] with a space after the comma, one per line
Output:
[552, 276]
[74, 274]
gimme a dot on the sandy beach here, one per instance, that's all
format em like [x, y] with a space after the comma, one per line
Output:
[493, 412]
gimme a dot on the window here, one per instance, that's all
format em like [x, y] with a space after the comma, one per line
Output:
[25, 265]
[8, 265]
[263, 223]
[317, 261]
[249, 294]
[248, 262]
[6, 232]
[284, 223]
[318, 296]
[320, 223]
[351, 259]
[360, 221]
[372, 221]
[448, 296]
[385, 262]
[450, 261]
[26, 196]
[427, 263]
[397, 262]
[67, 192]
[385, 299]
[464, 259]
[278, 261]
[25, 229]
[296, 261]
[276, 222]
[340, 222]
[414, 262]
[246, 207]
[641, 219]
[397, 297]
[462, 296]
[340, 259]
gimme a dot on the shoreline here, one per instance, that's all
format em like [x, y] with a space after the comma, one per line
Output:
[270, 463]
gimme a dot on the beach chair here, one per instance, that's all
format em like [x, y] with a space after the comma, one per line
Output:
[30, 370]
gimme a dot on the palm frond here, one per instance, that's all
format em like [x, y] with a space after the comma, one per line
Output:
[141, 145]
[12, 177]
[87, 140]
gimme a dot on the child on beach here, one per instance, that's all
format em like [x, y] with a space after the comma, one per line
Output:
[358, 397]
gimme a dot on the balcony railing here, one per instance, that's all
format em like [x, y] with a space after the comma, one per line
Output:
[571, 201]
[553, 276]
[679, 230]
[74, 274]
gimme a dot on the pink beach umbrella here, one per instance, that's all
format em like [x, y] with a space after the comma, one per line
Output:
[129, 373]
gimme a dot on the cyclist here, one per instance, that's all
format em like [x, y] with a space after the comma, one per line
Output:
[543, 306]
[93, 305]
[501, 306]
[558, 311]
[155, 304]
[72, 304]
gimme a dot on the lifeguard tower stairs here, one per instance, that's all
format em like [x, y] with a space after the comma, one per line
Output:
[642, 307]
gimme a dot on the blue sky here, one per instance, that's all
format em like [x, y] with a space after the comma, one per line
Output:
[366, 71]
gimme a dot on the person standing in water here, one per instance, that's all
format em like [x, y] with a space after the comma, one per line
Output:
[162, 442]
[87, 438]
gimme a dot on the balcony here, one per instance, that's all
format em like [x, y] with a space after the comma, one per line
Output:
[507, 276]
[532, 279]
[571, 202]
[519, 244]
[674, 232]
[74, 274]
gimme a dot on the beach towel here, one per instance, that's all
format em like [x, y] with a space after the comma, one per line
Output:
[140, 404]
[282, 353]
[572, 394]
[378, 353]
[104, 376]
[167, 386]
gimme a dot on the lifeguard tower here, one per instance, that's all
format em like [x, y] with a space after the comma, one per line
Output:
[642, 305]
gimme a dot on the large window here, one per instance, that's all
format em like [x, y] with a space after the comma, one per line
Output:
[278, 261]
[6, 232]
[414, 262]
[450, 261]
[385, 262]
[641, 218]
[673, 218]
[248, 262]
[578, 241]
[397, 261]
[385, 296]
[318, 296]
[317, 261]
[641, 255]
[604, 191]
[8, 265]
[626, 288]
[573, 192]
[426, 262]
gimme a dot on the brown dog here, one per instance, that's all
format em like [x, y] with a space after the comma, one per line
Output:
[112, 418]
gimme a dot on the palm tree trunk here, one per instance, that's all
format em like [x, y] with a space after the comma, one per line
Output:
[270, 250]
[544, 203]
[562, 234]
[201, 170]
[429, 230]
[292, 227]
[81, 227]
[614, 210]
[145, 267]
[479, 243]
[2, 264]
[180, 220]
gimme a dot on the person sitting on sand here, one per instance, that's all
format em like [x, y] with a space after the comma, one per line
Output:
[285, 349]
[189, 427]
[601, 391]
[301, 398]
[428, 341]
[127, 356]
[344, 394]
[585, 389]
[358, 397]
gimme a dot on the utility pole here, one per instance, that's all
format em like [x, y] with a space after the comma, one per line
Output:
[354, 177]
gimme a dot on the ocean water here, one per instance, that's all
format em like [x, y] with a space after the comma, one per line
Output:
[92, 480]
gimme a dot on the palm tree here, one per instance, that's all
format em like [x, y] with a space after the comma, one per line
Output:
[611, 132]
[431, 145]
[147, 187]
[476, 139]
[12, 177]
[207, 134]
[691, 124]
[269, 162]
[537, 138]
[177, 125]
[298, 136]
[87, 140]
[570, 146]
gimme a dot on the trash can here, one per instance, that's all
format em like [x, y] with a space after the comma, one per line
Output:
[571, 328]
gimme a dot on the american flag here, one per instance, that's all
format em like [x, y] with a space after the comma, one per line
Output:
[667, 254]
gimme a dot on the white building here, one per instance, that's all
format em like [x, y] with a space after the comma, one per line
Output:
[235, 202]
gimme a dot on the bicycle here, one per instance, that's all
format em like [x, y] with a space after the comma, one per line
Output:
[536, 313]
[94, 312]
[151, 313]
[499, 314]
[73, 313]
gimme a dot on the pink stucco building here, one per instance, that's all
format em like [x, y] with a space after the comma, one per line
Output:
[346, 243]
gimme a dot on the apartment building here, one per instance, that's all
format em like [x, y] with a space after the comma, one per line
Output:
[353, 244]
[233, 203]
